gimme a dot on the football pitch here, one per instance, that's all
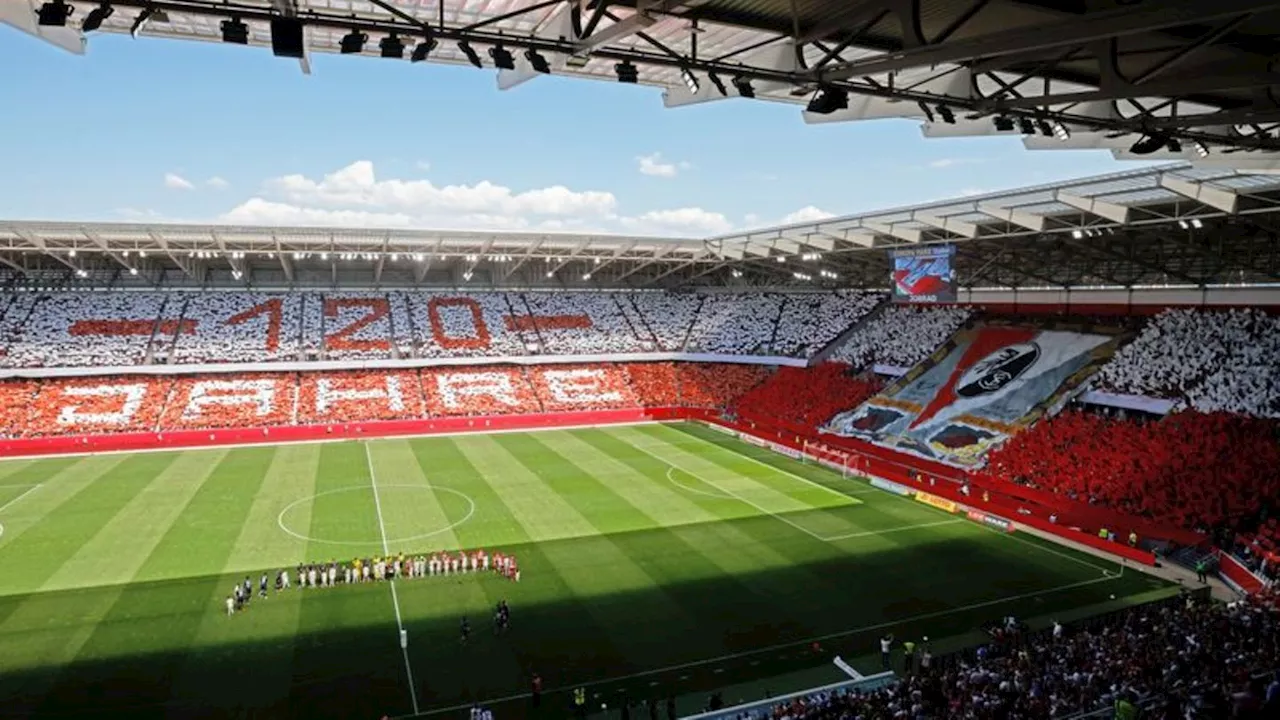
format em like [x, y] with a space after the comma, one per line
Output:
[656, 560]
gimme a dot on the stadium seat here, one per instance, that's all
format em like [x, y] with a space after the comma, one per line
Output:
[807, 396]
[901, 335]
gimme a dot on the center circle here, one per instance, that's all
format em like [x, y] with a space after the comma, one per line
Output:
[403, 497]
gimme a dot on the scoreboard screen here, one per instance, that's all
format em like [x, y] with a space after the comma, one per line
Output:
[924, 275]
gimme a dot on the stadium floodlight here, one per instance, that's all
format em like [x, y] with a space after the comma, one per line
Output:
[736, 273]
[1027, 126]
[1173, 145]
[54, 14]
[1195, 223]
[97, 16]
[72, 253]
[743, 86]
[550, 274]
[394, 257]
[828, 100]
[537, 61]
[502, 58]
[690, 81]
[1148, 144]
[423, 49]
[81, 273]
[715, 80]
[1003, 123]
[472, 56]
[1184, 224]
[627, 73]
[1061, 132]
[234, 31]
[352, 43]
[392, 47]
[586, 276]
[947, 115]
[1077, 234]
[149, 14]
[1201, 149]
[133, 271]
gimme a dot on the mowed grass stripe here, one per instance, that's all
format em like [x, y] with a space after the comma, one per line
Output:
[116, 552]
[136, 647]
[744, 546]
[433, 607]
[555, 634]
[593, 566]
[690, 567]
[245, 661]
[71, 508]
[345, 632]
[13, 467]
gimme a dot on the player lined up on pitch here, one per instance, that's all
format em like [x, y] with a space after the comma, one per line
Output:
[373, 569]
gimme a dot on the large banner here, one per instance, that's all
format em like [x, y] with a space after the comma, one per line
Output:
[984, 384]
[924, 274]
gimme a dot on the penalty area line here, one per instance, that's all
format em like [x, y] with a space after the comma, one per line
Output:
[14, 501]
[395, 598]
[772, 648]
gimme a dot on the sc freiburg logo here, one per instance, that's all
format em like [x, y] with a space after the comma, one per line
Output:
[998, 369]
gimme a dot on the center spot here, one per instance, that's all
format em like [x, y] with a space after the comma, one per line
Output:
[348, 516]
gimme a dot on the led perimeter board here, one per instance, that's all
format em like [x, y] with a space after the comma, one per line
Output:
[924, 275]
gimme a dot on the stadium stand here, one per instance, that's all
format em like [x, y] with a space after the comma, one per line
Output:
[807, 396]
[239, 327]
[229, 401]
[668, 316]
[735, 324]
[717, 386]
[76, 329]
[1208, 360]
[582, 324]
[357, 396]
[470, 325]
[1183, 658]
[901, 335]
[1194, 470]
[810, 321]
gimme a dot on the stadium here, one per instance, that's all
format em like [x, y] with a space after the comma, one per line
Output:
[1008, 455]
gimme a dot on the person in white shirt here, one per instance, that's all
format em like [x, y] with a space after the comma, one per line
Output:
[231, 605]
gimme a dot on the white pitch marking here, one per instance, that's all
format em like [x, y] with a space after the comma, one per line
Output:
[869, 533]
[775, 468]
[395, 598]
[692, 489]
[781, 646]
[11, 502]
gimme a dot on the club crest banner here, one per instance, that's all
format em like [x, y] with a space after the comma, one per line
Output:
[983, 385]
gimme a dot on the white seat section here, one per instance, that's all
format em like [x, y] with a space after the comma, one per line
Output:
[901, 335]
[668, 315]
[239, 327]
[736, 324]
[810, 321]
[78, 329]
[464, 325]
[574, 323]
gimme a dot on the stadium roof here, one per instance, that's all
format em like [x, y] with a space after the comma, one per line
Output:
[1188, 79]
[1170, 225]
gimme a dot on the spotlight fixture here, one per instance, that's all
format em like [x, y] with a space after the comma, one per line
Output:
[423, 49]
[502, 58]
[1148, 144]
[97, 16]
[690, 81]
[1199, 147]
[1183, 224]
[470, 52]
[1061, 132]
[586, 276]
[352, 43]
[133, 271]
[537, 61]
[743, 86]
[1003, 123]
[148, 14]
[1173, 145]
[54, 14]
[1045, 128]
[72, 252]
[715, 80]
[1196, 223]
[947, 116]
[392, 47]
[235, 32]
[928, 114]
[627, 73]
[1027, 127]
[828, 100]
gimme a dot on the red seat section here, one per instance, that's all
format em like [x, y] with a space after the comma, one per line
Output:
[808, 396]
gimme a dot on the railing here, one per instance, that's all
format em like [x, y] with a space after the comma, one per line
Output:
[866, 684]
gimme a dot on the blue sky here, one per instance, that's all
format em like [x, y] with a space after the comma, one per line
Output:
[174, 131]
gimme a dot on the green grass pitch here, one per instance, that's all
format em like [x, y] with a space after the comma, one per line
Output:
[656, 560]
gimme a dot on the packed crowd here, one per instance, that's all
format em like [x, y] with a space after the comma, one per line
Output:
[377, 569]
[131, 328]
[901, 335]
[1200, 471]
[149, 403]
[1226, 360]
[1184, 658]
[808, 396]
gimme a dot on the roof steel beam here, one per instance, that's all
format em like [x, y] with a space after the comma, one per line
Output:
[1093, 27]
[818, 240]
[1223, 200]
[1101, 208]
[951, 225]
[1174, 87]
[285, 264]
[895, 230]
[1013, 216]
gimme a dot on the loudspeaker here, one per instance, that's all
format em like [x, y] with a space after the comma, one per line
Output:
[286, 37]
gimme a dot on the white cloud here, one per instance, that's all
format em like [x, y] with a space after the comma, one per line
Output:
[806, 214]
[139, 215]
[655, 166]
[354, 196]
[217, 183]
[688, 220]
[173, 181]
[970, 192]
[943, 163]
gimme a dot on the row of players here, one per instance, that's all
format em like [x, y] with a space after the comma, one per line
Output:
[378, 568]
